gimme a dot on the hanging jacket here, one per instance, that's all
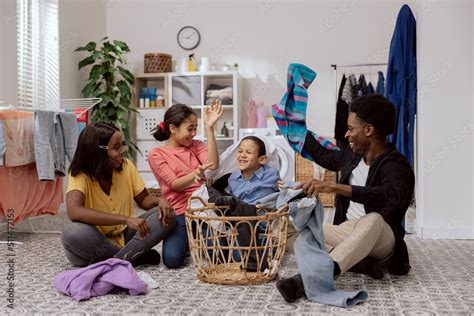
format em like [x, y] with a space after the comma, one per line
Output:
[342, 113]
[401, 80]
[380, 89]
[387, 191]
[361, 86]
[370, 88]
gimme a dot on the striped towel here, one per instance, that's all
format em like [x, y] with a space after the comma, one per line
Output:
[290, 114]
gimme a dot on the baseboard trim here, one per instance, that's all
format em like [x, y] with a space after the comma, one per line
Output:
[441, 232]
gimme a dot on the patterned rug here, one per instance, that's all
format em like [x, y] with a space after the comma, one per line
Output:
[440, 283]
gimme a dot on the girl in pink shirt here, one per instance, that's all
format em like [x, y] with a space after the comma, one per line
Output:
[179, 167]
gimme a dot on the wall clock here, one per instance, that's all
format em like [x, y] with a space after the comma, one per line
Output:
[189, 38]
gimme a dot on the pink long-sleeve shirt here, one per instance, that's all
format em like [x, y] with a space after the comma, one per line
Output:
[168, 164]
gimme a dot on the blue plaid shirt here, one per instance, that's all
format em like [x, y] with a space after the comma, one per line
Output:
[262, 183]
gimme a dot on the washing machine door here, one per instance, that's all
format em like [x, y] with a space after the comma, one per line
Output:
[284, 164]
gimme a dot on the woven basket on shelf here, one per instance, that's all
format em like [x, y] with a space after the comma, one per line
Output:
[157, 62]
[305, 171]
[214, 244]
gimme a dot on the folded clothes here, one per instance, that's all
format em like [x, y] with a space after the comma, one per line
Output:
[224, 101]
[224, 93]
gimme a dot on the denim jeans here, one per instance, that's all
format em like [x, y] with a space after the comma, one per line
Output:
[175, 244]
[84, 244]
[315, 265]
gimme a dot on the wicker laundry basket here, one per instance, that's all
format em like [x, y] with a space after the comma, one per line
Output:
[154, 192]
[214, 244]
[305, 170]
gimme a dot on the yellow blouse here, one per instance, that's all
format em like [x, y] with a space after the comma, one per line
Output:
[125, 186]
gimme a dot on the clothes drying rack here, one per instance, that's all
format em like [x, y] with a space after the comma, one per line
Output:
[335, 67]
[86, 104]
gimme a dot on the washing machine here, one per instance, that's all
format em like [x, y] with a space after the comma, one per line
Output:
[286, 154]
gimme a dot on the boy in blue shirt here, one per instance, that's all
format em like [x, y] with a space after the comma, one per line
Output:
[250, 183]
[253, 180]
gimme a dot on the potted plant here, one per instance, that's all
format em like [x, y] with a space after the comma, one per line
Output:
[112, 83]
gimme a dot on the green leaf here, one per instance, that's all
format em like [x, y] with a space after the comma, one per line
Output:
[124, 88]
[104, 38]
[96, 55]
[87, 61]
[123, 46]
[90, 89]
[127, 75]
[113, 49]
[96, 72]
[89, 47]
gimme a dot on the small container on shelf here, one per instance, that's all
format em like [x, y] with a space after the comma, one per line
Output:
[160, 101]
[152, 95]
[142, 97]
[224, 131]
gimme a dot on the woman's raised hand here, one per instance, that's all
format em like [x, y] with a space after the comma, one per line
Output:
[212, 113]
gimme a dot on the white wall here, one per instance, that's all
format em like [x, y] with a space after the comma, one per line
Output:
[263, 37]
[8, 60]
[80, 21]
[445, 108]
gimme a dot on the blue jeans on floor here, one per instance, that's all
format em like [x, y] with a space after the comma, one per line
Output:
[175, 244]
[84, 244]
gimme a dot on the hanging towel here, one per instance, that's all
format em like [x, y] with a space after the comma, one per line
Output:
[3, 143]
[290, 113]
[56, 135]
[21, 191]
[401, 80]
[99, 279]
[252, 114]
[18, 127]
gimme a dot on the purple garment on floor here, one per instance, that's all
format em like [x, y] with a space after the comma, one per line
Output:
[99, 279]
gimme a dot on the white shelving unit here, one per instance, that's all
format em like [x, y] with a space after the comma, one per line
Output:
[188, 88]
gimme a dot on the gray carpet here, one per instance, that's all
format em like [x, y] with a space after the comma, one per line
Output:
[440, 283]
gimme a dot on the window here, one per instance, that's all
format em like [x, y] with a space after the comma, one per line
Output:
[38, 54]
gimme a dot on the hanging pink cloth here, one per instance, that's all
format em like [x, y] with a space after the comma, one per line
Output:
[261, 116]
[22, 192]
[252, 115]
[18, 127]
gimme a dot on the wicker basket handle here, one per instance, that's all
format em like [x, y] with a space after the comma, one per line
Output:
[196, 198]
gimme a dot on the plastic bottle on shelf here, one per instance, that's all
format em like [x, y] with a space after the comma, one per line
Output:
[152, 97]
[191, 65]
[142, 98]
[147, 97]
[224, 131]
[160, 101]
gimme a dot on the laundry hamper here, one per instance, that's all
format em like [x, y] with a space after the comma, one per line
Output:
[215, 248]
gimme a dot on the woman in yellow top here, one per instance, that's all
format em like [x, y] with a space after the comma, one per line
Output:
[102, 188]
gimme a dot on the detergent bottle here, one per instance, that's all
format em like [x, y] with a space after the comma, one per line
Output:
[191, 64]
